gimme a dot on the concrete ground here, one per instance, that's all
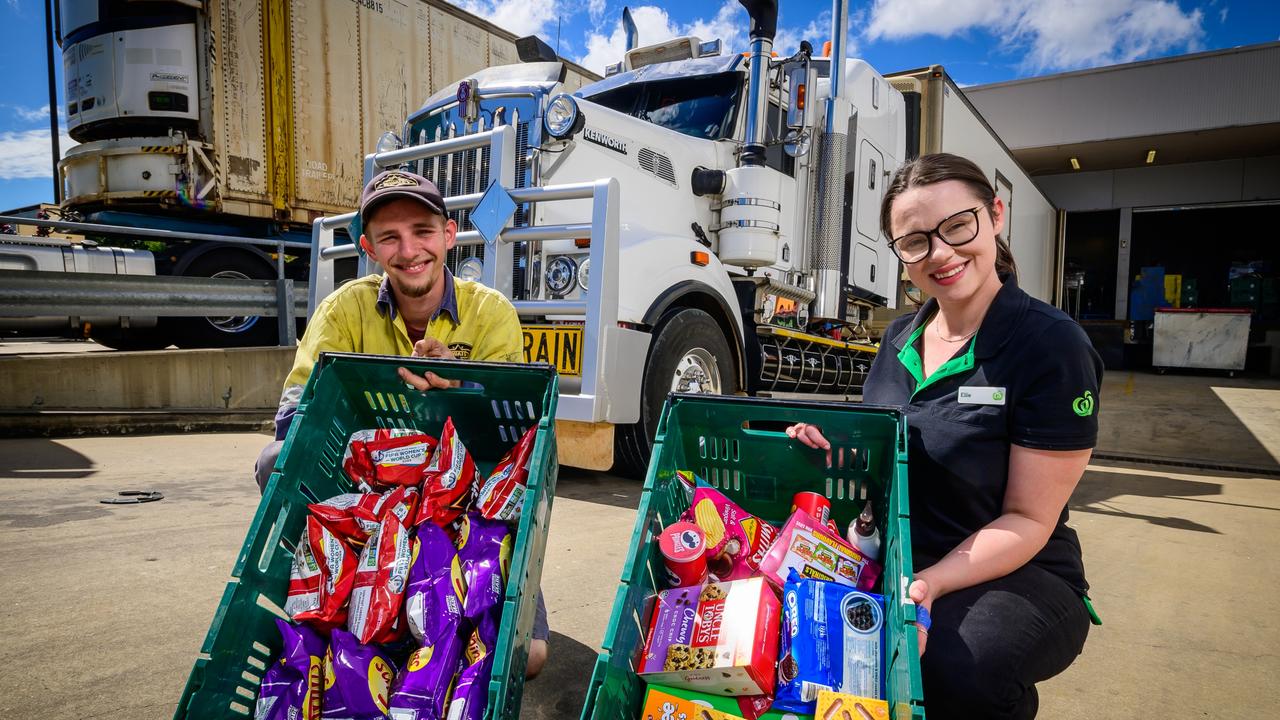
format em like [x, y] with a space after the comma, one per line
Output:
[107, 605]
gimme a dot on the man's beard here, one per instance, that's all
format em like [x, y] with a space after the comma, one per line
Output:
[413, 290]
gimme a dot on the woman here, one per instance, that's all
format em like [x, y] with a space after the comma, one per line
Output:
[1000, 392]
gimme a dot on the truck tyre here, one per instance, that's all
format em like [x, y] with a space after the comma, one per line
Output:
[689, 353]
[151, 338]
[226, 332]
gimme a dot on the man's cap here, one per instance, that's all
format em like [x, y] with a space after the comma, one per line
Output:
[392, 184]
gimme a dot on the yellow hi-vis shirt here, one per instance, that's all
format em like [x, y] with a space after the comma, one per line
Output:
[474, 321]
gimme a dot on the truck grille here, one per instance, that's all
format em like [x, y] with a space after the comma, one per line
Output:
[467, 172]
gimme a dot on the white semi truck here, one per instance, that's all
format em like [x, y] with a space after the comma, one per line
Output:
[697, 221]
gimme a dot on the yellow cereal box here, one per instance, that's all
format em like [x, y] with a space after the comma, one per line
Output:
[839, 706]
[662, 705]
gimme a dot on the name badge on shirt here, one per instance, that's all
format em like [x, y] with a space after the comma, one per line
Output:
[975, 395]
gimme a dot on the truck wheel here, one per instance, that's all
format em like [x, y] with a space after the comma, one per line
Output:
[689, 354]
[233, 331]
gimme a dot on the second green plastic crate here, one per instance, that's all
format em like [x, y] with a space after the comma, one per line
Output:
[345, 393]
[738, 445]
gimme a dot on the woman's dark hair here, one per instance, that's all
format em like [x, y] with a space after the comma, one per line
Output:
[939, 167]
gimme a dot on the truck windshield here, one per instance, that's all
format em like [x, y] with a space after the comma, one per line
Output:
[702, 107]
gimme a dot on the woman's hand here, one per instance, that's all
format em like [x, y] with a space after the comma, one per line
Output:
[810, 436]
[922, 595]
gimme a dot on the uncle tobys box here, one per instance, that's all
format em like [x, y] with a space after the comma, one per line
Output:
[718, 638]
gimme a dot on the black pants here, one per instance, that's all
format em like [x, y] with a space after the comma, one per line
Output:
[991, 643]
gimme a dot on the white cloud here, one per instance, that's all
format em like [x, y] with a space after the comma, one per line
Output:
[1056, 35]
[29, 115]
[730, 25]
[595, 9]
[25, 154]
[1222, 15]
[522, 17]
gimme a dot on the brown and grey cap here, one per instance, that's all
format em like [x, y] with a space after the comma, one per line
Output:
[392, 184]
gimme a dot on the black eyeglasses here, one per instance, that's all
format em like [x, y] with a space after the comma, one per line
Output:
[955, 230]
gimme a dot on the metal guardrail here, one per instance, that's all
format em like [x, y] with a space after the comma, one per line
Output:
[29, 293]
[599, 310]
[144, 295]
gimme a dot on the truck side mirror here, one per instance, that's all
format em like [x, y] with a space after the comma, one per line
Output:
[802, 79]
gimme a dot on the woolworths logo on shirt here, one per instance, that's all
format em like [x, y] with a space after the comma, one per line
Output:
[1083, 405]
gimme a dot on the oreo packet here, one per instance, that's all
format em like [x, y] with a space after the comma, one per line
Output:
[484, 551]
[832, 637]
[292, 687]
[357, 679]
[437, 589]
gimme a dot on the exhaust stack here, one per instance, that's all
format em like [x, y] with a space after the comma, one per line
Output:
[833, 144]
[633, 33]
[750, 214]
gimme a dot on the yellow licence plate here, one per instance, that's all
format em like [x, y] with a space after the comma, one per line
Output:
[559, 345]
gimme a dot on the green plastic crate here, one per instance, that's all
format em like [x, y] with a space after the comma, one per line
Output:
[738, 445]
[497, 403]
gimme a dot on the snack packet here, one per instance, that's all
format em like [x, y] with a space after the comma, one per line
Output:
[501, 497]
[380, 580]
[321, 579]
[420, 691]
[836, 706]
[292, 688]
[832, 637]
[447, 480]
[813, 551]
[484, 550]
[749, 707]
[471, 695]
[437, 588]
[357, 679]
[354, 516]
[736, 540]
[719, 638]
[386, 456]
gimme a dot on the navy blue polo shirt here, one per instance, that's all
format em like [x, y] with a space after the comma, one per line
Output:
[1029, 377]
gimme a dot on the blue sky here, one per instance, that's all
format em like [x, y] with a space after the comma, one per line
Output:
[980, 41]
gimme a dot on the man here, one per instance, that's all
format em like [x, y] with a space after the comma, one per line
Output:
[416, 308]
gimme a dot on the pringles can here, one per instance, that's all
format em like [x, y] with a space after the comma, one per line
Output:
[816, 505]
[683, 547]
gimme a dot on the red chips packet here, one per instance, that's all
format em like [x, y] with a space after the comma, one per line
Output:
[380, 579]
[447, 480]
[322, 577]
[354, 516]
[387, 456]
[501, 497]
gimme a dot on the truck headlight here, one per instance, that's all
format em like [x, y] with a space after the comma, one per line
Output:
[471, 268]
[584, 270]
[562, 118]
[561, 274]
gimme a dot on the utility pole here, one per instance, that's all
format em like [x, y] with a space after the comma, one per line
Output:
[53, 100]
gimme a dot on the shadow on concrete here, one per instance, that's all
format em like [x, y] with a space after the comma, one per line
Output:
[1216, 421]
[560, 690]
[38, 458]
[1097, 489]
[597, 487]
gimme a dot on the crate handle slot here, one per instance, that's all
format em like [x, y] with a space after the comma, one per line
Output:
[273, 538]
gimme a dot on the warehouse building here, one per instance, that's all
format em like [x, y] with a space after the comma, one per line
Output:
[1168, 173]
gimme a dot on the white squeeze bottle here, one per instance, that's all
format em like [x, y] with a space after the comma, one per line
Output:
[864, 535]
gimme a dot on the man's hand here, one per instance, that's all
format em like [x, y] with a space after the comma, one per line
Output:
[426, 381]
[810, 436]
[429, 347]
